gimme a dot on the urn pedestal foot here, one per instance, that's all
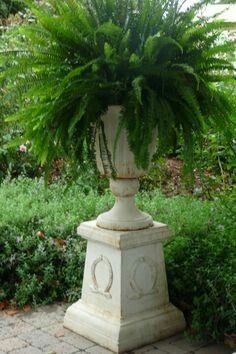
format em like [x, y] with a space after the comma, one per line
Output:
[125, 302]
[124, 215]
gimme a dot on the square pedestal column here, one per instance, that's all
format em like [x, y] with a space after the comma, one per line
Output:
[125, 302]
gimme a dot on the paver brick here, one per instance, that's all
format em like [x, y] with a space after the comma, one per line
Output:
[142, 350]
[77, 341]
[15, 328]
[98, 350]
[53, 308]
[3, 333]
[56, 311]
[169, 340]
[157, 351]
[169, 348]
[56, 330]
[27, 350]
[214, 349]
[10, 344]
[186, 345]
[60, 348]
[6, 320]
[40, 319]
[39, 339]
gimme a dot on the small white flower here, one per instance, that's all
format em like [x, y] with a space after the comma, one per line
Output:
[23, 148]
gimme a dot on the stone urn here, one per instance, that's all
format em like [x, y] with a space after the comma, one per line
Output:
[124, 215]
[124, 302]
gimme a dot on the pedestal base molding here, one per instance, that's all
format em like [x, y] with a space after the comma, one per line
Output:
[125, 302]
[123, 335]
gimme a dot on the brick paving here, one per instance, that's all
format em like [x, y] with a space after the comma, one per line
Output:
[41, 331]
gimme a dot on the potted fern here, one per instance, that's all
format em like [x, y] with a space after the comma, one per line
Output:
[161, 66]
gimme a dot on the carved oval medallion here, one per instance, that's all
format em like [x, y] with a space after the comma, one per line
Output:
[143, 277]
[101, 286]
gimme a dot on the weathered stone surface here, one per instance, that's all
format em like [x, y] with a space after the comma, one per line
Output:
[9, 344]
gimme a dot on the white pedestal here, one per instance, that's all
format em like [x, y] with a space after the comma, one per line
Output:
[125, 302]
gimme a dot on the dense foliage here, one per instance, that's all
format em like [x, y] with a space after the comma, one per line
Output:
[8, 7]
[162, 65]
[41, 257]
[41, 267]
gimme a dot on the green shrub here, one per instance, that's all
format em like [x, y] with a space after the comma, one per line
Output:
[41, 267]
[201, 272]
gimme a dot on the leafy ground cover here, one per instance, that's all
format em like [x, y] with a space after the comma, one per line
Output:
[41, 256]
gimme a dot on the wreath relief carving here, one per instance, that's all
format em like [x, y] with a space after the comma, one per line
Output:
[145, 283]
[95, 287]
